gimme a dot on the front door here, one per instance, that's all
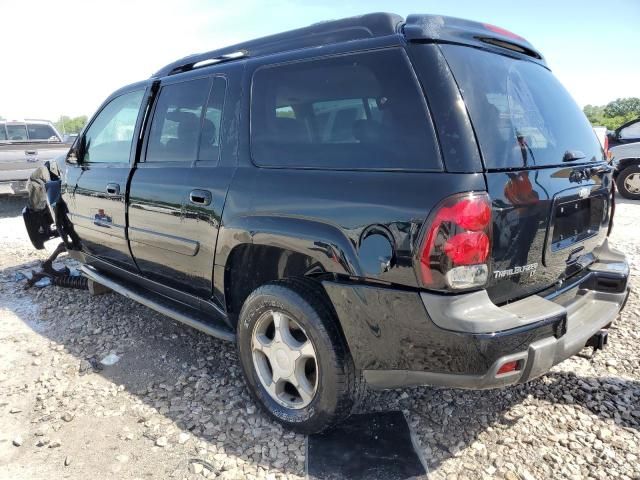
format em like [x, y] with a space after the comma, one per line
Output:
[98, 183]
[176, 204]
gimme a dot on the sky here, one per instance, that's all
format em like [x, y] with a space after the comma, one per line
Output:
[65, 57]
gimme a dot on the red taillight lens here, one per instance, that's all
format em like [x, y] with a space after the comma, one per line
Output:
[467, 248]
[502, 31]
[509, 367]
[457, 243]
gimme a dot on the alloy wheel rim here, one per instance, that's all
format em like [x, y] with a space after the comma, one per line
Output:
[284, 359]
[632, 183]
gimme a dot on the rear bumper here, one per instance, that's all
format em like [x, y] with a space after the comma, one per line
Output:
[403, 339]
[598, 311]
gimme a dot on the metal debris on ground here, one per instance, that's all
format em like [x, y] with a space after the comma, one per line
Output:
[48, 275]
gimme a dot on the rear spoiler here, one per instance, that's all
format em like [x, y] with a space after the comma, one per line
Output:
[442, 29]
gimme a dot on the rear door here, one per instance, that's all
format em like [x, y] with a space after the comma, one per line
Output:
[545, 171]
[178, 188]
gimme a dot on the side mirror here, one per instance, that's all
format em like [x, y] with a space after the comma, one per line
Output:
[76, 152]
[72, 156]
[613, 136]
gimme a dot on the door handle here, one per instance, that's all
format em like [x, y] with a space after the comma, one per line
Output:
[30, 152]
[200, 197]
[113, 189]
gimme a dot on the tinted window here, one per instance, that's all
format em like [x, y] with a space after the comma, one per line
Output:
[632, 131]
[110, 135]
[41, 132]
[211, 125]
[522, 115]
[3, 133]
[362, 111]
[17, 132]
[175, 128]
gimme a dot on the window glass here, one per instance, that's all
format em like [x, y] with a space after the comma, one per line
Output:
[522, 115]
[41, 132]
[632, 131]
[175, 128]
[109, 138]
[3, 133]
[17, 132]
[357, 111]
[211, 125]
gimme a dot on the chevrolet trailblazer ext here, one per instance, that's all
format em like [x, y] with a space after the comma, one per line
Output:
[364, 201]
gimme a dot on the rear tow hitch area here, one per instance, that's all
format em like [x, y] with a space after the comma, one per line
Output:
[599, 340]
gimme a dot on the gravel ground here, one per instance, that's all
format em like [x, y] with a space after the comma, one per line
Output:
[175, 406]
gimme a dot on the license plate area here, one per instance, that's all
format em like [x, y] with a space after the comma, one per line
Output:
[575, 221]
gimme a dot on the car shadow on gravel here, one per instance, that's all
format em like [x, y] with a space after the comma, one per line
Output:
[192, 380]
[195, 381]
[447, 421]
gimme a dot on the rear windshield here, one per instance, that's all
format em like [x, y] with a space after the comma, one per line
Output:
[522, 115]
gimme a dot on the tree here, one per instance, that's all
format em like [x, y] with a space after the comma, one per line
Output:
[613, 114]
[67, 124]
[623, 107]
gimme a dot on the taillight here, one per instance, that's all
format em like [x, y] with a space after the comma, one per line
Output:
[606, 148]
[456, 244]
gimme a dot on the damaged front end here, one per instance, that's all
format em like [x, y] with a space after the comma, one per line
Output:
[45, 215]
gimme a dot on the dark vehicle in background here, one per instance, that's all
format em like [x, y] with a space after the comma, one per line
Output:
[370, 200]
[624, 150]
[24, 146]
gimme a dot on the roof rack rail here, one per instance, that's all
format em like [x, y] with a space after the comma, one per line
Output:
[323, 33]
[192, 65]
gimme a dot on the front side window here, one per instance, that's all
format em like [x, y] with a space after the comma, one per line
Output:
[175, 128]
[110, 136]
[17, 132]
[630, 132]
[356, 111]
[3, 133]
[41, 132]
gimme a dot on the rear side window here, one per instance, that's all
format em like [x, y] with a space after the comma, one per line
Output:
[17, 132]
[212, 122]
[522, 115]
[356, 111]
[41, 132]
[175, 128]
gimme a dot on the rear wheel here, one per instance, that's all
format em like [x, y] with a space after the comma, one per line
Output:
[295, 361]
[628, 182]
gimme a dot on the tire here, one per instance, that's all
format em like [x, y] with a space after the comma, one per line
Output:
[625, 177]
[337, 384]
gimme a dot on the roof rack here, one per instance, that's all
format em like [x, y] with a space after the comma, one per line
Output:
[192, 65]
[335, 31]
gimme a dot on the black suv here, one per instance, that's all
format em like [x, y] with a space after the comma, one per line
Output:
[365, 201]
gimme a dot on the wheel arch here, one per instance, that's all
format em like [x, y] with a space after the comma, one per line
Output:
[257, 250]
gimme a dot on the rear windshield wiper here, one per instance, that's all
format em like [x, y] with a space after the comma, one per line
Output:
[571, 155]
